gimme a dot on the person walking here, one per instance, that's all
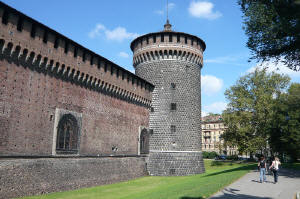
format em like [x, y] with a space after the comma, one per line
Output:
[275, 167]
[262, 169]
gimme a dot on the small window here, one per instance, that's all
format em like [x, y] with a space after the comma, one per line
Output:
[5, 17]
[56, 42]
[162, 38]
[192, 42]
[185, 40]
[173, 86]
[170, 38]
[173, 106]
[154, 38]
[111, 70]
[151, 131]
[172, 171]
[152, 109]
[20, 24]
[178, 38]
[33, 30]
[173, 128]
[117, 73]
[147, 40]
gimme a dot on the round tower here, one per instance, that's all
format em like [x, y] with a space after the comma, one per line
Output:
[172, 62]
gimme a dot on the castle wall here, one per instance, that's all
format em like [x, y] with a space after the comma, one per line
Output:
[23, 177]
[45, 76]
[29, 101]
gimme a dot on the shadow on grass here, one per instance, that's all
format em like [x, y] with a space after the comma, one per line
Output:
[247, 167]
[186, 197]
[231, 193]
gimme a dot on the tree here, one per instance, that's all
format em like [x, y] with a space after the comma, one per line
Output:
[285, 131]
[249, 110]
[273, 30]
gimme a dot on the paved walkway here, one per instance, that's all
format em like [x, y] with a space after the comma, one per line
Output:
[249, 187]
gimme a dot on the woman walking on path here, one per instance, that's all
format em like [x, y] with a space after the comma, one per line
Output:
[275, 168]
[262, 169]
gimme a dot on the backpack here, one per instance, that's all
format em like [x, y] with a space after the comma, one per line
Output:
[262, 164]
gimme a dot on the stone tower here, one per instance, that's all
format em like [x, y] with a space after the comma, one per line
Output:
[172, 62]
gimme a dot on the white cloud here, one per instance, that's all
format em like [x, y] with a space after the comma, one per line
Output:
[216, 107]
[159, 12]
[123, 54]
[170, 7]
[96, 31]
[203, 9]
[222, 60]
[210, 84]
[280, 68]
[117, 34]
[203, 114]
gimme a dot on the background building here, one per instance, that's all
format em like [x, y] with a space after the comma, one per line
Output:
[212, 129]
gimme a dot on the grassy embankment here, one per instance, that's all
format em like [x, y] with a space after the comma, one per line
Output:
[217, 176]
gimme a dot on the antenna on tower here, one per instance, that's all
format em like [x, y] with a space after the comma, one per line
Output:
[167, 11]
[167, 26]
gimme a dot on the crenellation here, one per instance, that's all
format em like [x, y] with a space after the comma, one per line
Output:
[41, 45]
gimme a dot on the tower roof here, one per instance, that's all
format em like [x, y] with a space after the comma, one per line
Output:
[140, 38]
[167, 26]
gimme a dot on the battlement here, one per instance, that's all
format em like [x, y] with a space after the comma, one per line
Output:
[36, 46]
[168, 45]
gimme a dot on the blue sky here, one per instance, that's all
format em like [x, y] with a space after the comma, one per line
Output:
[108, 26]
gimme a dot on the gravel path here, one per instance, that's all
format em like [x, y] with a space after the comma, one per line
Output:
[249, 187]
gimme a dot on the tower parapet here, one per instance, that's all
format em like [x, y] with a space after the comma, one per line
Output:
[172, 62]
[168, 45]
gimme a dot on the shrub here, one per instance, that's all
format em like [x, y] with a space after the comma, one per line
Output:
[209, 155]
[233, 157]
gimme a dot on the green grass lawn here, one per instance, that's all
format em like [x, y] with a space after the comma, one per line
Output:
[217, 176]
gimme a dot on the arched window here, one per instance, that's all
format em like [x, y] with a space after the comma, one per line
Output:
[67, 134]
[144, 141]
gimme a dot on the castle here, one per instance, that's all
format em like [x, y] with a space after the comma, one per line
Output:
[70, 118]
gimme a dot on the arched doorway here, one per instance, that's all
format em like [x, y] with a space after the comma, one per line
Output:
[144, 141]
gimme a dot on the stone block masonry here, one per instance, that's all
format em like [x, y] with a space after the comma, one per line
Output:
[23, 177]
[172, 61]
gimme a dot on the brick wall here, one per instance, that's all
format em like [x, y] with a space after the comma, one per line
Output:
[39, 83]
[39, 78]
[28, 102]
